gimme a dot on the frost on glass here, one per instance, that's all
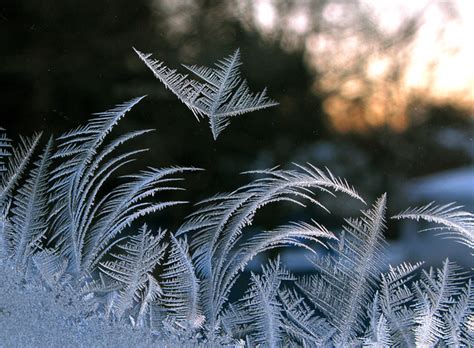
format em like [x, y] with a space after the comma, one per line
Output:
[221, 94]
[73, 276]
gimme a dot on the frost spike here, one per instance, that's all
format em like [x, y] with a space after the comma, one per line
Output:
[222, 95]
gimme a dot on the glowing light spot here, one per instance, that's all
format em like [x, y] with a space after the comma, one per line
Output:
[299, 22]
[265, 14]
[333, 13]
[377, 67]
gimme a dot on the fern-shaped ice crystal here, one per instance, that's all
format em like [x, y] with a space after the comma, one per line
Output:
[30, 210]
[459, 327]
[455, 223]
[84, 222]
[344, 287]
[394, 297]
[270, 315]
[133, 269]
[5, 148]
[378, 334]
[436, 295]
[181, 286]
[13, 163]
[218, 250]
[262, 306]
[13, 169]
[222, 94]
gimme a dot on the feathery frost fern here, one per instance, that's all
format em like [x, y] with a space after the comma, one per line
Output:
[272, 315]
[13, 163]
[437, 294]
[261, 308]
[344, 286]
[30, 213]
[133, 270]
[455, 223]
[180, 284]
[221, 95]
[5, 147]
[378, 333]
[84, 224]
[16, 165]
[59, 224]
[394, 298]
[220, 254]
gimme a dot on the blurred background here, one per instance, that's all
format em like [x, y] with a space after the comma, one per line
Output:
[380, 92]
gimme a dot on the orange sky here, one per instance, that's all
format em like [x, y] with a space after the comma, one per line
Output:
[447, 44]
[438, 64]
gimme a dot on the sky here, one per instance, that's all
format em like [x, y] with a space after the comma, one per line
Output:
[437, 63]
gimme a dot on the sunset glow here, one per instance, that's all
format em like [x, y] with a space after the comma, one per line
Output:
[427, 52]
